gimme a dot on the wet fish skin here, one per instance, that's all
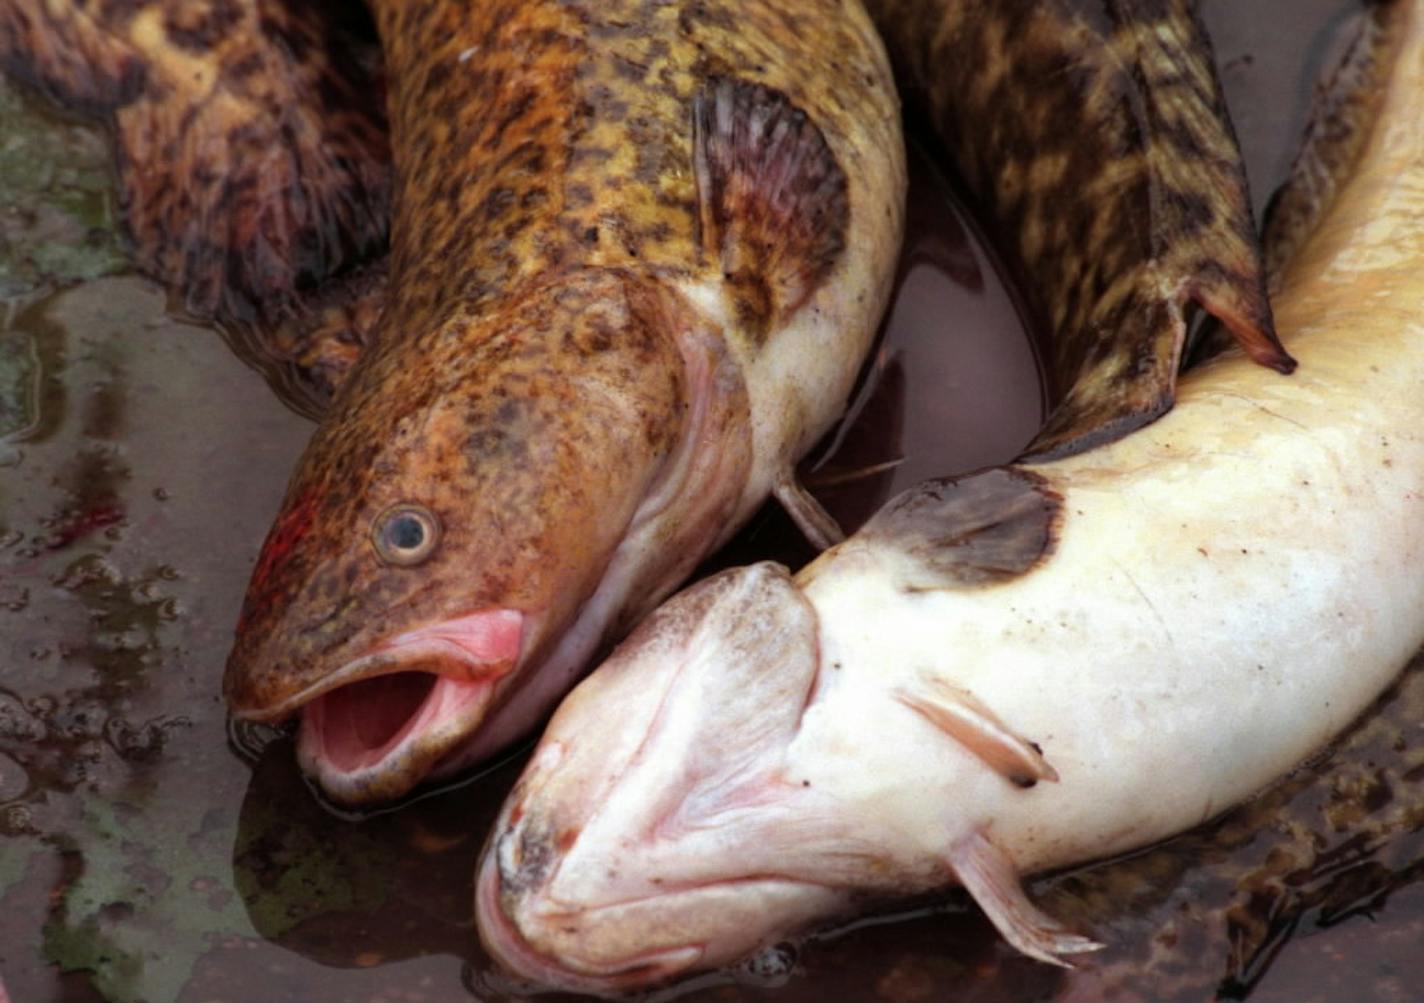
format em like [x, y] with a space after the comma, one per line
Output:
[1105, 662]
[250, 145]
[605, 339]
[1094, 139]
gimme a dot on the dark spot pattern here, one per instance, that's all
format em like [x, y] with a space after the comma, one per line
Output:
[1116, 191]
[252, 156]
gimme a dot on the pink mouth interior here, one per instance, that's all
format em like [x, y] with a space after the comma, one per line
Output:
[364, 717]
[356, 726]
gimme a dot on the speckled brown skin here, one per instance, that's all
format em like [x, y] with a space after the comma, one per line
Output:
[251, 148]
[1094, 137]
[600, 338]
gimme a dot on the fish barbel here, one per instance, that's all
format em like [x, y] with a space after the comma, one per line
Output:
[1016, 670]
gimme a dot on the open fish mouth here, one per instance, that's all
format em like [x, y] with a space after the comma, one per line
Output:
[372, 730]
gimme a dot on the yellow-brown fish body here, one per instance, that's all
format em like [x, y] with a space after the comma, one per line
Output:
[637, 254]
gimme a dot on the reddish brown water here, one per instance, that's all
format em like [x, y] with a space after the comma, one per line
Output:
[143, 857]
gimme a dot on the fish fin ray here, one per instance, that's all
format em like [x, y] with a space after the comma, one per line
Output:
[989, 876]
[772, 199]
[816, 524]
[966, 719]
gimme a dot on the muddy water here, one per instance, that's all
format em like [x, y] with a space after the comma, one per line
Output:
[145, 856]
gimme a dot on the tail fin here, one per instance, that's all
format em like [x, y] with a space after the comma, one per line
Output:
[249, 135]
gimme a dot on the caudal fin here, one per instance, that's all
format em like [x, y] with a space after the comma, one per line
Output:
[250, 144]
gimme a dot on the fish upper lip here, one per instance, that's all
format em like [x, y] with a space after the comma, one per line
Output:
[394, 655]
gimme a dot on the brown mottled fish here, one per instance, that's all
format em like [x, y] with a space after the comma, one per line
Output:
[637, 255]
[1094, 137]
[252, 160]
[1058, 661]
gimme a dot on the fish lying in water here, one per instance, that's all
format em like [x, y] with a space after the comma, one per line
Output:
[637, 256]
[1016, 670]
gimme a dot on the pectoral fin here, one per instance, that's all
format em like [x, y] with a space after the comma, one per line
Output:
[989, 876]
[819, 526]
[964, 718]
[772, 202]
[970, 532]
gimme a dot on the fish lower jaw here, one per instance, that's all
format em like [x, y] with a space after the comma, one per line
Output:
[374, 740]
[514, 952]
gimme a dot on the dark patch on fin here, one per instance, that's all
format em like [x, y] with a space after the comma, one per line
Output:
[252, 157]
[971, 531]
[988, 875]
[1340, 123]
[965, 718]
[816, 524]
[772, 199]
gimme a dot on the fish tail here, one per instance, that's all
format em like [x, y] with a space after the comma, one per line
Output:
[249, 139]
[1345, 107]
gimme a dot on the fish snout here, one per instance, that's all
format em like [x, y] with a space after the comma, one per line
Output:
[655, 831]
[377, 721]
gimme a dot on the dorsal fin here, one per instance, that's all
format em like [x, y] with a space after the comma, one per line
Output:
[965, 718]
[772, 200]
[1340, 123]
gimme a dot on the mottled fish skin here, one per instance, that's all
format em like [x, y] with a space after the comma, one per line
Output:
[1058, 662]
[637, 253]
[1095, 141]
[252, 158]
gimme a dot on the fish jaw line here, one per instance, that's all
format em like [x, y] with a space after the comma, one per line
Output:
[377, 726]
[513, 947]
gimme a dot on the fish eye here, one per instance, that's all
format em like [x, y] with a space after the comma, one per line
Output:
[406, 535]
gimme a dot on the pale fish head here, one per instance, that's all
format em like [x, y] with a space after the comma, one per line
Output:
[660, 828]
[446, 525]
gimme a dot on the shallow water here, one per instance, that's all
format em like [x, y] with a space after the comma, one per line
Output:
[143, 856]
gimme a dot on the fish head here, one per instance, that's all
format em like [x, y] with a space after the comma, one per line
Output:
[446, 523]
[660, 826]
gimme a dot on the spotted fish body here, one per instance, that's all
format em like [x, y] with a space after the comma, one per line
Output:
[251, 156]
[1095, 138]
[636, 257]
[1057, 661]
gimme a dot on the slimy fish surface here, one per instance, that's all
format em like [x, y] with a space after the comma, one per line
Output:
[1022, 669]
[636, 259]
[251, 155]
[637, 254]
